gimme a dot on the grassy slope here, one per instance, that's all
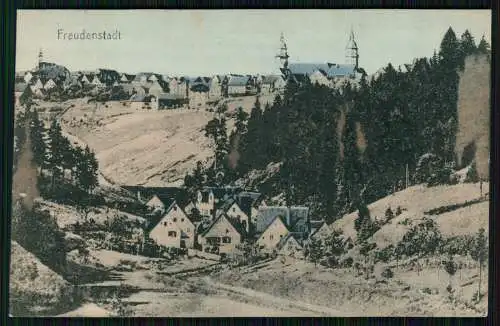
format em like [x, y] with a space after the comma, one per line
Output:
[402, 295]
[419, 199]
[40, 293]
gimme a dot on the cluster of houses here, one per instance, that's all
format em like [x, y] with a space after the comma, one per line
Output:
[218, 220]
[146, 89]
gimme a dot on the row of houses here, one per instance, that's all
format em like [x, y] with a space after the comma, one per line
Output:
[218, 220]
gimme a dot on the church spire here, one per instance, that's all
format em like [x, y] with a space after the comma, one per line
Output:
[283, 55]
[352, 55]
[40, 58]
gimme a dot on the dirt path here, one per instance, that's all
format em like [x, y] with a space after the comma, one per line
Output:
[270, 300]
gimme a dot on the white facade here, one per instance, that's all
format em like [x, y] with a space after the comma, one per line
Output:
[49, 84]
[174, 220]
[236, 212]
[223, 235]
[155, 202]
[236, 90]
[320, 78]
[270, 238]
[28, 76]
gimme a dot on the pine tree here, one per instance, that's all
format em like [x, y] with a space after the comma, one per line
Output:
[55, 157]
[484, 46]
[479, 252]
[467, 44]
[86, 170]
[449, 49]
[37, 131]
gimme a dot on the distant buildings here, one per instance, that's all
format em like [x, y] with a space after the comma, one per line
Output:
[327, 74]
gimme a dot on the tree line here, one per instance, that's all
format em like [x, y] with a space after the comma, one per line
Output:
[58, 160]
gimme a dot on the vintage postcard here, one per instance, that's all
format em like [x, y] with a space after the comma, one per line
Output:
[178, 163]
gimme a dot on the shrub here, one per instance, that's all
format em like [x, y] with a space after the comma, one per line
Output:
[389, 215]
[387, 273]
[422, 239]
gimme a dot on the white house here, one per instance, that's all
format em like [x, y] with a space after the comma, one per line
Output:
[36, 85]
[156, 203]
[215, 88]
[27, 77]
[272, 83]
[320, 78]
[238, 85]
[174, 229]
[49, 84]
[97, 82]
[85, 79]
[273, 234]
[155, 89]
[292, 246]
[205, 202]
[178, 86]
[223, 234]
[237, 213]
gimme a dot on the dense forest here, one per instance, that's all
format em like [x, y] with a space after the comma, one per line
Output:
[343, 148]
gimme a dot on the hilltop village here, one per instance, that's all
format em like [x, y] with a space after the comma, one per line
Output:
[150, 90]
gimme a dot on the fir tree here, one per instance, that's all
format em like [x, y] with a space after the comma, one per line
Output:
[483, 46]
[479, 252]
[56, 150]
[37, 132]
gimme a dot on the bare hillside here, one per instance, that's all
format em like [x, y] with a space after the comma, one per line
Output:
[415, 202]
[139, 147]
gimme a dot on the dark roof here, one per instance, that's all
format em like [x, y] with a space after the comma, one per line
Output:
[271, 79]
[329, 69]
[238, 81]
[234, 222]
[296, 235]
[179, 194]
[298, 215]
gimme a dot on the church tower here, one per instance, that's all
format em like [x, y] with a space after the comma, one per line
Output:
[352, 55]
[40, 59]
[283, 56]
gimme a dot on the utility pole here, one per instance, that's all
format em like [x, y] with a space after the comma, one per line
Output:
[407, 176]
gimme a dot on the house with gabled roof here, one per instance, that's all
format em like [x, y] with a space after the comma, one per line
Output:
[222, 235]
[233, 210]
[274, 222]
[49, 84]
[273, 234]
[173, 229]
[240, 85]
[272, 83]
[292, 245]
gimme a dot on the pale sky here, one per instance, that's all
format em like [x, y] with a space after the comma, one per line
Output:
[206, 42]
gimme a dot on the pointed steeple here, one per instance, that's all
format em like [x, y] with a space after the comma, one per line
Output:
[283, 55]
[352, 55]
[40, 58]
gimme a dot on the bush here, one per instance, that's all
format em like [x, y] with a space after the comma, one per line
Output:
[422, 239]
[387, 273]
[385, 254]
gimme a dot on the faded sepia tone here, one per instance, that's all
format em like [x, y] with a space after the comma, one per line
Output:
[254, 165]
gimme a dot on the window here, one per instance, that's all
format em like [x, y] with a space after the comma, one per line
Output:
[227, 230]
[175, 219]
[175, 208]
[271, 237]
[164, 223]
[234, 209]
[188, 230]
[172, 234]
[182, 219]
[226, 240]
[281, 236]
